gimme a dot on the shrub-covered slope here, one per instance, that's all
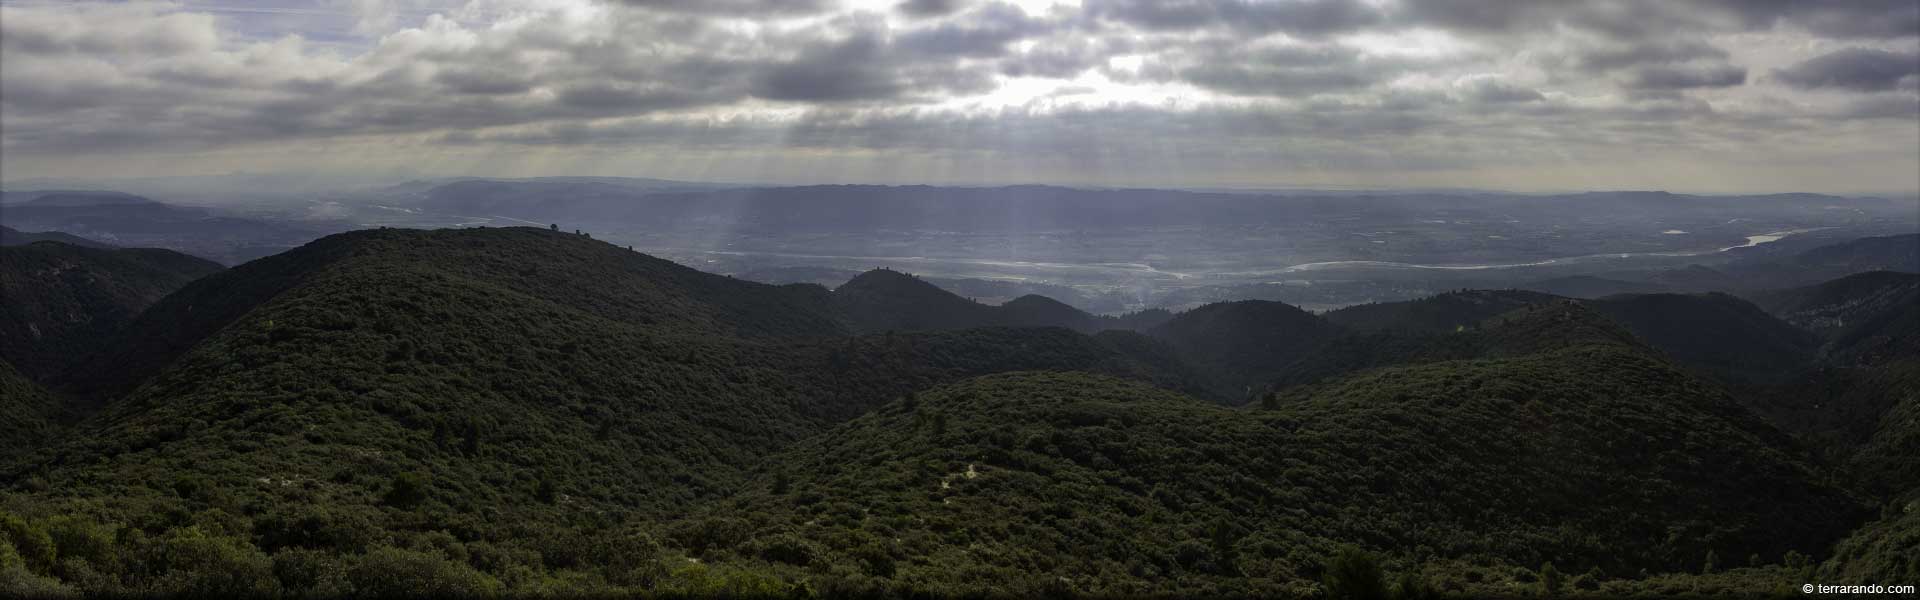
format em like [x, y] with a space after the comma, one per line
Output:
[1834, 307]
[1445, 312]
[533, 412]
[384, 390]
[1243, 345]
[63, 300]
[1718, 333]
[27, 412]
[885, 300]
[1598, 456]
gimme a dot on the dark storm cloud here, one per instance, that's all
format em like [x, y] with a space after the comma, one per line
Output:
[1845, 18]
[1488, 91]
[838, 71]
[929, 8]
[1277, 71]
[1859, 69]
[1620, 56]
[1280, 73]
[1306, 18]
[1685, 77]
[1645, 19]
[742, 8]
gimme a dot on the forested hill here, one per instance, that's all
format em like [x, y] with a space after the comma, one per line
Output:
[14, 237]
[887, 300]
[1831, 307]
[1445, 312]
[531, 412]
[28, 413]
[1029, 484]
[406, 274]
[64, 300]
[1719, 333]
[521, 394]
[1244, 344]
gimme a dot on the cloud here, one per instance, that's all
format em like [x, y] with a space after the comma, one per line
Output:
[1277, 70]
[1857, 69]
[849, 69]
[928, 8]
[1217, 84]
[1306, 18]
[1667, 77]
[1849, 19]
[741, 8]
[1620, 56]
[1488, 90]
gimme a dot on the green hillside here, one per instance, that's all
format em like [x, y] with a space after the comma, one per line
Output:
[1445, 312]
[537, 413]
[63, 301]
[1717, 333]
[1243, 345]
[886, 300]
[386, 389]
[1828, 308]
[1022, 484]
[1529, 329]
[27, 412]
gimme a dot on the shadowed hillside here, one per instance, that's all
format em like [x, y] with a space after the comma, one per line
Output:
[1719, 333]
[13, 237]
[63, 301]
[1243, 344]
[1018, 484]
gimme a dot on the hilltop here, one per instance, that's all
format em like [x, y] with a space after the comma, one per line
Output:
[1444, 312]
[518, 387]
[14, 237]
[1243, 344]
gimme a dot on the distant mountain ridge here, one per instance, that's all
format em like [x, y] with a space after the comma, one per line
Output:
[14, 237]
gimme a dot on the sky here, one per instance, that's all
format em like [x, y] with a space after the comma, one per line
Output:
[1705, 96]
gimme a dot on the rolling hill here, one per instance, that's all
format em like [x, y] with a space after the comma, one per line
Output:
[1039, 483]
[13, 237]
[523, 411]
[887, 300]
[132, 221]
[64, 301]
[1243, 345]
[1719, 333]
[27, 412]
[1445, 312]
[1830, 308]
[373, 391]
